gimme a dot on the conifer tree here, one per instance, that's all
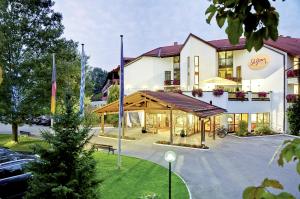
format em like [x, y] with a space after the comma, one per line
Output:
[66, 169]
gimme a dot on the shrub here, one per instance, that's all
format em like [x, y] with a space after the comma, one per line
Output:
[262, 129]
[96, 97]
[197, 92]
[243, 128]
[293, 113]
[113, 120]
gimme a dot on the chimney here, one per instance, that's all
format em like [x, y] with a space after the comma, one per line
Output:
[175, 43]
[210, 102]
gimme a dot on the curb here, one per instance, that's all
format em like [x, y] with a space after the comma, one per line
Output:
[257, 136]
[101, 136]
[288, 135]
[184, 147]
[187, 187]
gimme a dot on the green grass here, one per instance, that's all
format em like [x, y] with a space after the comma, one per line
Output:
[25, 143]
[137, 177]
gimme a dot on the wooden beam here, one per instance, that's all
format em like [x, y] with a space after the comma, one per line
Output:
[214, 127]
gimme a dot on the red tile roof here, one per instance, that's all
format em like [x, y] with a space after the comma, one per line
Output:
[186, 103]
[165, 51]
[286, 44]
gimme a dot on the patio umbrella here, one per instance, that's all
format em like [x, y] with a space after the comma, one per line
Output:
[220, 81]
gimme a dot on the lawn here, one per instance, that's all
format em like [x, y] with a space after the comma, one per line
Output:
[136, 177]
[25, 143]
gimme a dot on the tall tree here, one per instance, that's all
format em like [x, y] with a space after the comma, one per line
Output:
[65, 169]
[98, 77]
[29, 30]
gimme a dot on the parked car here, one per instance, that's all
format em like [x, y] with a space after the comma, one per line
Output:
[13, 178]
[41, 120]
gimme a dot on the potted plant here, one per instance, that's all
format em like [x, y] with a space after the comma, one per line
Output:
[290, 73]
[218, 92]
[167, 82]
[197, 92]
[291, 98]
[182, 133]
[178, 91]
[240, 95]
[176, 82]
[262, 94]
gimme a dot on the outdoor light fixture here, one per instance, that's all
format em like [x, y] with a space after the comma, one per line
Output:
[229, 120]
[170, 156]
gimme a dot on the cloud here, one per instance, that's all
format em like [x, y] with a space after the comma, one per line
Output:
[146, 24]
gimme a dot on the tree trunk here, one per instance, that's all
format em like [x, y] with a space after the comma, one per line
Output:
[15, 131]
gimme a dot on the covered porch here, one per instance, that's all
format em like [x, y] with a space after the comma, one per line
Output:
[171, 117]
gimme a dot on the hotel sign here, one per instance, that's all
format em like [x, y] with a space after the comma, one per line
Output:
[259, 62]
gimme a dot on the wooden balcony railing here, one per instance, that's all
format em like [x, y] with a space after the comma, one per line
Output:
[249, 96]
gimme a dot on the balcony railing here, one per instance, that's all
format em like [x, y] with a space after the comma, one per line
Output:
[174, 82]
[293, 73]
[249, 96]
[235, 79]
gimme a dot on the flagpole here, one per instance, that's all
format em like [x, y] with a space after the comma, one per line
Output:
[121, 96]
[82, 82]
[53, 93]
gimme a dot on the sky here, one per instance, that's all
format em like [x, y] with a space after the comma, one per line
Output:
[147, 24]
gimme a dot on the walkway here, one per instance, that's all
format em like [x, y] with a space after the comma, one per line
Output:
[225, 170]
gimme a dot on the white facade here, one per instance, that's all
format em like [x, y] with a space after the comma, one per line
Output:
[148, 73]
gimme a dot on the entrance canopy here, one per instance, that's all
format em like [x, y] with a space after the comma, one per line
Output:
[153, 100]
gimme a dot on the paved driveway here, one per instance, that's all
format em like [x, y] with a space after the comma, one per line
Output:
[223, 171]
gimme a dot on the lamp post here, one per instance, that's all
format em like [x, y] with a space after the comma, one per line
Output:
[170, 156]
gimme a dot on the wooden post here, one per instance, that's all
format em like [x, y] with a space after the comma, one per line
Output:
[145, 121]
[214, 127]
[171, 126]
[102, 123]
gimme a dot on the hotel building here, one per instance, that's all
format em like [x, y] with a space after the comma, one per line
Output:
[256, 87]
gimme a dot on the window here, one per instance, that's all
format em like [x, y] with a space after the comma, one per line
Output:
[233, 122]
[296, 63]
[176, 67]
[196, 70]
[259, 118]
[167, 75]
[225, 64]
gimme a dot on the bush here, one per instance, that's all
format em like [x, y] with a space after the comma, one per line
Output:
[96, 97]
[243, 128]
[113, 120]
[293, 118]
[263, 130]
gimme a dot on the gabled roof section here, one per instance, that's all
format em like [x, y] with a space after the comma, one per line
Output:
[153, 100]
[165, 51]
[287, 44]
[198, 38]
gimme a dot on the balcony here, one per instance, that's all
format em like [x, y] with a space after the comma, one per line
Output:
[235, 79]
[172, 82]
[243, 102]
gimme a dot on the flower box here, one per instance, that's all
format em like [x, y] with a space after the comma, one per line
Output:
[176, 82]
[240, 95]
[197, 92]
[262, 94]
[291, 98]
[168, 82]
[293, 73]
[178, 91]
[218, 92]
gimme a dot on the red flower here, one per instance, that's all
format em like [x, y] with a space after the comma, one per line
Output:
[218, 92]
[262, 94]
[197, 92]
